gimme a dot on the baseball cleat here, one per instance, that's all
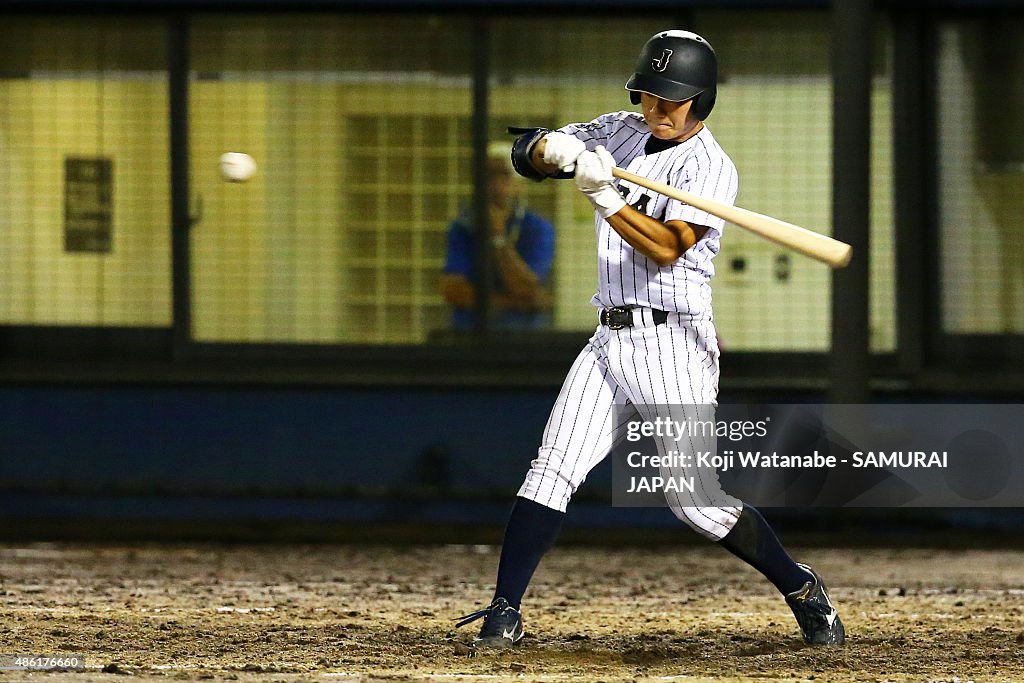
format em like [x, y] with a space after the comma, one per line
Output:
[819, 621]
[503, 625]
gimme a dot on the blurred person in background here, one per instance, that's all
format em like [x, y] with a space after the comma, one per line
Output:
[523, 246]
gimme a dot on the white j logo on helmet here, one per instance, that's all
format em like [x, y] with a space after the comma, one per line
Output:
[659, 64]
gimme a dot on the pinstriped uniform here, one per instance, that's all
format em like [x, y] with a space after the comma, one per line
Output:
[646, 365]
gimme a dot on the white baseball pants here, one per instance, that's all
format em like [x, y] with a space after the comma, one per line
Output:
[674, 364]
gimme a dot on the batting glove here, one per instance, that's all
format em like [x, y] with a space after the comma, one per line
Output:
[561, 150]
[594, 179]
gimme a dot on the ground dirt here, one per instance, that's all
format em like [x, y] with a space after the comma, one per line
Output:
[286, 613]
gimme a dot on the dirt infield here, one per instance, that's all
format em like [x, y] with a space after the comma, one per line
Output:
[289, 613]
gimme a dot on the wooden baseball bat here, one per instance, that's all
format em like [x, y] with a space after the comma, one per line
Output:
[807, 242]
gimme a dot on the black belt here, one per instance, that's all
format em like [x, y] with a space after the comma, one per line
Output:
[619, 317]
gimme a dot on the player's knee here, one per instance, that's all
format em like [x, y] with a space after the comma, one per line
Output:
[556, 499]
[549, 481]
[713, 523]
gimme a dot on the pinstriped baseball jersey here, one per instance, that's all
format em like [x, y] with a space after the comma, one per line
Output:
[699, 165]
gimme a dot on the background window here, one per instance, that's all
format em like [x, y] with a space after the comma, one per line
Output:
[981, 176]
[79, 94]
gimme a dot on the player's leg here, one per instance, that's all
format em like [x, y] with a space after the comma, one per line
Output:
[579, 433]
[712, 512]
[753, 541]
[580, 430]
[708, 509]
[670, 371]
[689, 354]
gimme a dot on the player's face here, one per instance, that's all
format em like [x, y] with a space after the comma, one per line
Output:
[668, 120]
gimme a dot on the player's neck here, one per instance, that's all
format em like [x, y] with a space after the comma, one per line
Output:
[656, 144]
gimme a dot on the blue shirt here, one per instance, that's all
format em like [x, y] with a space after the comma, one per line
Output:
[534, 239]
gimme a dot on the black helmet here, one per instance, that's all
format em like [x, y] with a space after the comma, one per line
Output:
[677, 66]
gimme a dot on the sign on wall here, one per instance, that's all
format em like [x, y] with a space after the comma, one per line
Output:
[88, 205]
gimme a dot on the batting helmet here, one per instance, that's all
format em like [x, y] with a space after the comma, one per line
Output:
[677, 66]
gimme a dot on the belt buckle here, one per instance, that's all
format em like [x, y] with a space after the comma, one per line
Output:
[617, 317]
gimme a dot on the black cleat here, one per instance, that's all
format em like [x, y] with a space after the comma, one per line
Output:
[503, 625]
[819, 621]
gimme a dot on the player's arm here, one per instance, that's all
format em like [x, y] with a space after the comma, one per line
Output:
[663, 243]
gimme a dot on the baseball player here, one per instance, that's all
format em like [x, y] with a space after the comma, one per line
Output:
[655, 342]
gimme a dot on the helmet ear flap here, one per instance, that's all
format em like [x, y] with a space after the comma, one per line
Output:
[634, 97]
[704, 103]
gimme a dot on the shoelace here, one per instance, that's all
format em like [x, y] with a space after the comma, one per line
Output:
[819, 606]
[498, 605]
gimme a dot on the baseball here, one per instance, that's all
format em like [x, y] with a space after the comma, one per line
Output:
[237, 167]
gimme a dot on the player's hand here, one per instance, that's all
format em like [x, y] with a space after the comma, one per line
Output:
[561, 150]
[595, 180]
[594, 170]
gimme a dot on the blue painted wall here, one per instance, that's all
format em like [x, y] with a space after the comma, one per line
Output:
[338, 455]
[316, 441]
[273, 454]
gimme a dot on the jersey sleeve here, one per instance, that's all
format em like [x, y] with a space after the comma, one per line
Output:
[597, 132]
[536, 245]
[712, 176]
[459, 260]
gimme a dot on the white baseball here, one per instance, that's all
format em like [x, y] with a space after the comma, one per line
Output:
[237, 167]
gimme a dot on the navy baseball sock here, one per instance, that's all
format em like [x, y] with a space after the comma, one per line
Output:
[531, 531]
[753, 541]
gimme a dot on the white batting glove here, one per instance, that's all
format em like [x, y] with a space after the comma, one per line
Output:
[595, 180]
[561, 150]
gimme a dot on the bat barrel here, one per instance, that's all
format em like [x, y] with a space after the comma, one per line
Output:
[807, 242]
